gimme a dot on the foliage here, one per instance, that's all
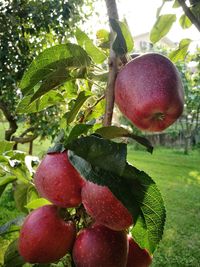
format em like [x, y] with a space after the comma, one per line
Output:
[164, 23]
[28, 27]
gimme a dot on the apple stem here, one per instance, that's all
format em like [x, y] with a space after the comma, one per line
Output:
[113, 67]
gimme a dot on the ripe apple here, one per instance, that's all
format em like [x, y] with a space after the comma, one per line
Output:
[137, 257]
[99, 246]
[58, 181]
[45, 237]
[104, 207]
[149, 92]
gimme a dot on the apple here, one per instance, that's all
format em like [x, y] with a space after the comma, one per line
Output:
[149, 92]
[58, 181]
[45, 237]
[104, 207]
[137, 257]
[99, 246]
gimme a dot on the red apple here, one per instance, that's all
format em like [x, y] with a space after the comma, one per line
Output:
[149, 92]
[45, 237]
[100, 246]
[137, 257]
[104, 207]
[58, 181]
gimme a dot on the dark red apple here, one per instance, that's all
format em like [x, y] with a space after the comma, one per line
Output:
[137, 257]
[104, 207]
[149, 92]
[100, 246]
[58, 181]
[45, 237]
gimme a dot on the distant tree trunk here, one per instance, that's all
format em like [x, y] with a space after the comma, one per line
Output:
[11, 120]
[15, 146]
[186, 145]
[31, 148]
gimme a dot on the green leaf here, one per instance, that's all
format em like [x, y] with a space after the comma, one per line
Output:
[6, 179]
[2, 188]
[52, 81]
[6, 227]
[159, 9]
[94, 149]
[80, 100]
[149, 226]
[162, 27]
[185, 22]
[111, 132]
[12, 257]
[20, 196]
[37, 203]
[47, 100]
[70, 88]
[5, 146]
[176, 4]
[95, 112]
[78, 130]
[181, 52]
[103, 38]
[119, 45]
[127, 35]
[100, 77]
[51, 64]
[137, 192]
[94, 52]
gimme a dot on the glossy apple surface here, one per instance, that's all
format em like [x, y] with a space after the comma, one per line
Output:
[149, 92]
[137, 257]
[58, 181]
[104, 207]
[45, 237]
[100, 246]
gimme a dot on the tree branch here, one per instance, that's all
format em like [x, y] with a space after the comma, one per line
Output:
[113, 66]
[190, 14]
[30, 129]
[23, 140]
[11, 120]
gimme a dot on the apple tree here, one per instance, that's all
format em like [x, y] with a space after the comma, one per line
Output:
[85, 181]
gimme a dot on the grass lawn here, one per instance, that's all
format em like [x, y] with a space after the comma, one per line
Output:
[178, 178]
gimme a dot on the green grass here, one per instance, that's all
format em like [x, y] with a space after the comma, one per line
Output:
[178, 178]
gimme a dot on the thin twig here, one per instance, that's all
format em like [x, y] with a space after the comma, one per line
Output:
[190, 14]
[113, 66]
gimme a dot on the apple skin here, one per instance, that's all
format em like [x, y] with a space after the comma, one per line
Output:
[99, 246]
[58, 181]
[45, 237]
[149, 92]
[137, 257]
[104, 207]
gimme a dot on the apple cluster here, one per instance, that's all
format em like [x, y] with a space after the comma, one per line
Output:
[149, 92]
[47, 234]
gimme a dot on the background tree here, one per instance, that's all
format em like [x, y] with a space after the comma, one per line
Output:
[190, 120]
[26, 28]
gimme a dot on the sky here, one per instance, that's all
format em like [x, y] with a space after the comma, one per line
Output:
[141, 16]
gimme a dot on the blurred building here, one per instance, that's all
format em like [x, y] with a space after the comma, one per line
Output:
[142, 42]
